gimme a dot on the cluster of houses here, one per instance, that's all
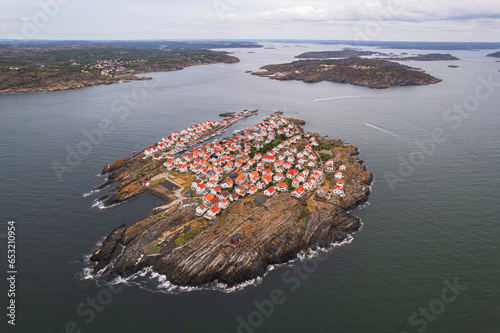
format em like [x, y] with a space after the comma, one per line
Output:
[360, 67]
[325, 67]
[338, 188]
[236, 165]
[283, 74]
[181, 139]
[108, 67]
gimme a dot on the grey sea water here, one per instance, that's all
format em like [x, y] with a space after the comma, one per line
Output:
[432, 219]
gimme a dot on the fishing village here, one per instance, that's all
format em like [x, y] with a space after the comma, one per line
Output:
[266, 184]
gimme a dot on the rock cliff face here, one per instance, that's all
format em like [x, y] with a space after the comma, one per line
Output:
[194, 251]
[272, 233]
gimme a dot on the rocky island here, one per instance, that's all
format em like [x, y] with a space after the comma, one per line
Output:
[345, 53]
[494, 55]
[373, 73]
[427, 57]
[25, 69]
[234, 206]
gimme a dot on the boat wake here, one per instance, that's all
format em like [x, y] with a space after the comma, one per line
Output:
[383, 130]
[334, 98]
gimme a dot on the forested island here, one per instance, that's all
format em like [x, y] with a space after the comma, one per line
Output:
[373, 73]
[24, 69]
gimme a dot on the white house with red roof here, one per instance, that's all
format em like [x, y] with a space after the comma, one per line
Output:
[270, 191]
[266, 178]
[227, 184]
[338, 174]
[298, 192]
[292, 173]
[253, 189]
[207, 198]
[201, 189]
[261, 184]
[337, 190]
[282, 187]
[308, 185]
[224, 204]
[215, 190]
[212, 212]
[268, 158]
[201, 209]
[278, 177]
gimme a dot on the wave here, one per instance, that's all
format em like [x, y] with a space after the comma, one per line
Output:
[155, 282]
[94, 191]
[100, 204]
[315, 252]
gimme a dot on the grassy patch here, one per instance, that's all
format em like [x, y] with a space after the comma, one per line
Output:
[187, 236]
[324, 157]
[151, 248]
[158, 181]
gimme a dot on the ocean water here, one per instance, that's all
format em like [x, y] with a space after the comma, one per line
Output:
[431, 221]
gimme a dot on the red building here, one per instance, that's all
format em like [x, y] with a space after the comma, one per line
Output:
[236, 238]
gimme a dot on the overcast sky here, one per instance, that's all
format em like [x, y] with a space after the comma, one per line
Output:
[415, 20]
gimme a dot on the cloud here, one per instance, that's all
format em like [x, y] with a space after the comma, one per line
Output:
[388, 10]
[297, 13]
[16, 19]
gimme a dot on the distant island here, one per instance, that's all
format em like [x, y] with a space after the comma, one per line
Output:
[495, 55]
[141, 44]
[429, 57]
[373, 73]
[76, 66]
[345, 53]
[233, 206]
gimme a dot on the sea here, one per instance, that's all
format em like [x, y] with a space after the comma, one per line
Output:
[426, 259]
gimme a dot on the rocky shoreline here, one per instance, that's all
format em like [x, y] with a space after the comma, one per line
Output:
[70, 84]
[198, 252]
[38, 71]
